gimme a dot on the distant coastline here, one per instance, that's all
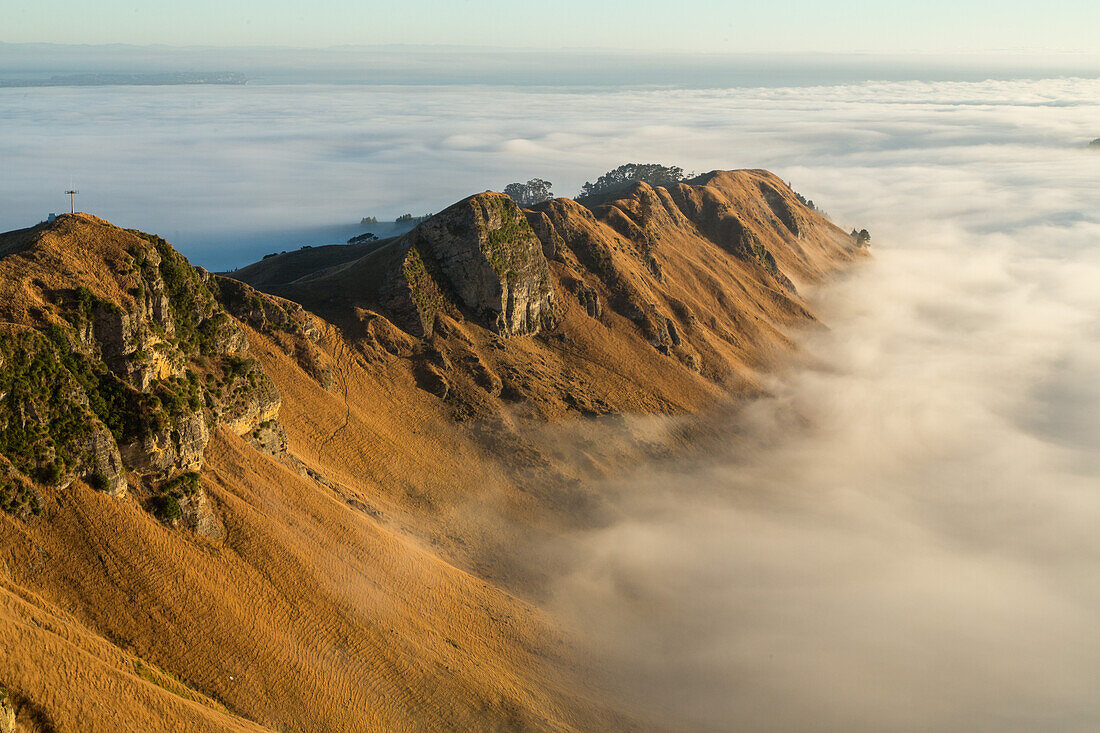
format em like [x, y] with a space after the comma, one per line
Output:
[159, 79]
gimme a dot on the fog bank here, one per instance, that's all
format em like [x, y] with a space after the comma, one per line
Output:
[218, 171]
[904, 537]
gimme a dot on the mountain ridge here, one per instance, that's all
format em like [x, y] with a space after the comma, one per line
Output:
[324, 494]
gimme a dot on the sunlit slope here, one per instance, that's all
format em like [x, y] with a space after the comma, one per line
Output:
[264, 519]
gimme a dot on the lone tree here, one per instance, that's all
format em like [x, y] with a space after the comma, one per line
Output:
[654, 174]
[528, 194]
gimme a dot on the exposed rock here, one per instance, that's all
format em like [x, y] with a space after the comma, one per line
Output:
[7, 713]
[269, 437]
[251, 399]
[128, 376]
[196, 513]
[177, 446]
[288, 323]
[588, 298]
[265, 313]
[104, 460]
[480, 256]
[552, 242]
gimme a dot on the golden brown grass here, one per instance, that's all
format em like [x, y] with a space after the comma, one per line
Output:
[385, 596]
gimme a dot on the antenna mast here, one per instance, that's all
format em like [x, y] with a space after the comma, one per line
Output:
[72, 192]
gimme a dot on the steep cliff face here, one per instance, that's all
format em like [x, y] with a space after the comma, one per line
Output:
[478, 260]
[481, 257]
[117, 362]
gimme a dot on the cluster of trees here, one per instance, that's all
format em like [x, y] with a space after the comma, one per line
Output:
[808, 203]
[862, 237]
[616, 180]
[403, 219]
[528, 194]
[538, 190]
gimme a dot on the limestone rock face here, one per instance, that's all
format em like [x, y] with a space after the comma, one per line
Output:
[269, 437]
[265, 313]
[285, 321]
[104, 459]
[195, 512]
[7, 714]
[481, 257]
[552, 242]
[179, 446]
[254, 401]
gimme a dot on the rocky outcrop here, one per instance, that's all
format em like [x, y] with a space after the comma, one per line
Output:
[285, 321]
[269, 437]
[479, 257]
[588, 298]
[127, 379]
[105, 461]
[178, 446]
[7, 713]
[265, 313]
[248, 399]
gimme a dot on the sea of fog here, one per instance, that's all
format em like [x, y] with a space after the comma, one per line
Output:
[230, 173]
[910, 537]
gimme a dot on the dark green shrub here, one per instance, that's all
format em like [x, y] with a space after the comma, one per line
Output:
[165, 508]
[98, 481]
[49, 474]
[183, 485]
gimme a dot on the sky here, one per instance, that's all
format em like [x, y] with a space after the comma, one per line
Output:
[710, 26]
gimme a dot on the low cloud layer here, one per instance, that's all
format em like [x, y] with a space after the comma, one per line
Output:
[215, 169]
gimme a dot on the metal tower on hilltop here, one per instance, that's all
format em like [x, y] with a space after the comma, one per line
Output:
[72, 192]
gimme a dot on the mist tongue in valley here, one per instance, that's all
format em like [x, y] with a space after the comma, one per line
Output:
[902, 537]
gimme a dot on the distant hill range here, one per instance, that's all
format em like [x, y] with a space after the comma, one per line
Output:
[160, 79]
[309, 498]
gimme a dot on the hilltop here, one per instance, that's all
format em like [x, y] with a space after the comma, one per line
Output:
[304, 499]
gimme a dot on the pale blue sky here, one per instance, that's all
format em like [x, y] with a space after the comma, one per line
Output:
[726, 26]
